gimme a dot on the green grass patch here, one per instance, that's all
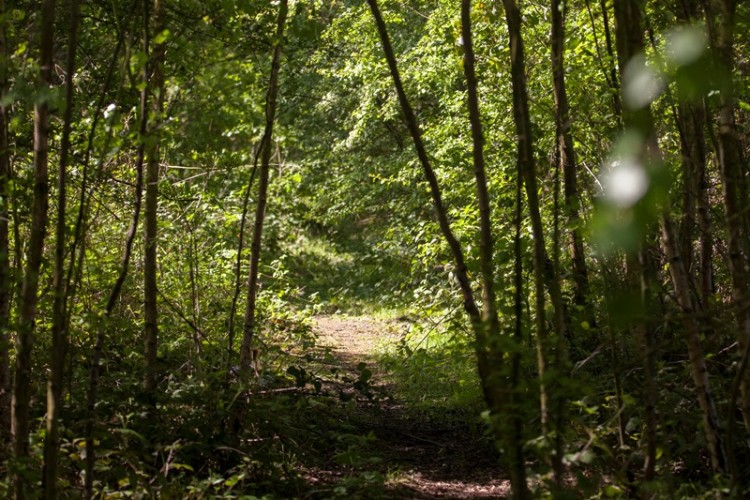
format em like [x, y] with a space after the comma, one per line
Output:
[434, 368]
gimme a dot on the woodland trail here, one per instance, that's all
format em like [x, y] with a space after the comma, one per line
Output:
[415, 457]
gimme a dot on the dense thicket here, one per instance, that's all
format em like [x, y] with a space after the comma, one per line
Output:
[559, 189]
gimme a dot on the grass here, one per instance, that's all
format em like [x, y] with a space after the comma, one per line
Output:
[435, 370]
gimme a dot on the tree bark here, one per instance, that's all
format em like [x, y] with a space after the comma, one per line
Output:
[567, 162]
[544, 277]
[490, 326]
[733, 169]
[691, 122]
[20, 423]
[5, 271]
[437, 198]
[611, 52]
[681, 283]
[246, 356]
[238, 263]
[150, 309]
[59, 308]
[527, 168]
[629, 41]
[515, 406]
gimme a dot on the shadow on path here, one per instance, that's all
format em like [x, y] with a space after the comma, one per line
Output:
[403, 453]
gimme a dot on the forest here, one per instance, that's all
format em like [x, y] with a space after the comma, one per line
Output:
[374, 249]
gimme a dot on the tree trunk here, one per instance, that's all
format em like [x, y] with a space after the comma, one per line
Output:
[489, 308]
[490, 326]
[151, 321]
[20, 423]
[527, 168]
[614, 81]
[544, 277]
[114, 294]
[567, 163]
[5, 273]
[59, 319]
[732, 170]
[691, 122]
[238, 263]
[681, 282]
[515, 406]
[246, 356]
[629, 42]
[697, 208]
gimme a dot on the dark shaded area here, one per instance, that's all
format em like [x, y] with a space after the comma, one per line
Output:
[383, 447]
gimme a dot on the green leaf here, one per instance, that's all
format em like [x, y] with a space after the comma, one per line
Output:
[162, 37]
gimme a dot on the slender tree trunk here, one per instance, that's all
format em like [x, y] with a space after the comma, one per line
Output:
[612, 59]
[515, 405]
[238, 263]
[544, 276]
[697, 209]
[691, 122]
[629, 42]
[59, 322]
[567, 163]
[151, 314]
[490, 326]
[732, 170]
[706, 270]
[611, 280]
[194, 275]
[489, 309]
[20, 423]
[6, 283]
[681, 282]
[114, 295]
[437, 198]
[527, 167]
[246, 356]
[639, 281]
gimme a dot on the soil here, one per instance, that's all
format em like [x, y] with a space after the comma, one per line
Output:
[417, 458]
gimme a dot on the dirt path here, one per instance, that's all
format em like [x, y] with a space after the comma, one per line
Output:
[417, 459]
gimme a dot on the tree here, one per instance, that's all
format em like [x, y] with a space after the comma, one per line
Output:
[488, 331]
[150, 288]
[22, 388]
[567, 161]
[485, 324]
[246, 356]
[5, 271]
[544, 279]
[638, 119]
[733, 170]
[60, 283]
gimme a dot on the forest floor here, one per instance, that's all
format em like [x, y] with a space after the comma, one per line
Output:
[414, 454]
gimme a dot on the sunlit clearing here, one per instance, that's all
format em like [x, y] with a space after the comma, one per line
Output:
[641, 83]
[625, 183]
[685, 44]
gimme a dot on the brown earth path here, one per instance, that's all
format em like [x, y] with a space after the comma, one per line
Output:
[420, 459]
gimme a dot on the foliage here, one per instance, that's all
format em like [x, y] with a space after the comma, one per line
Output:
[350, 229]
